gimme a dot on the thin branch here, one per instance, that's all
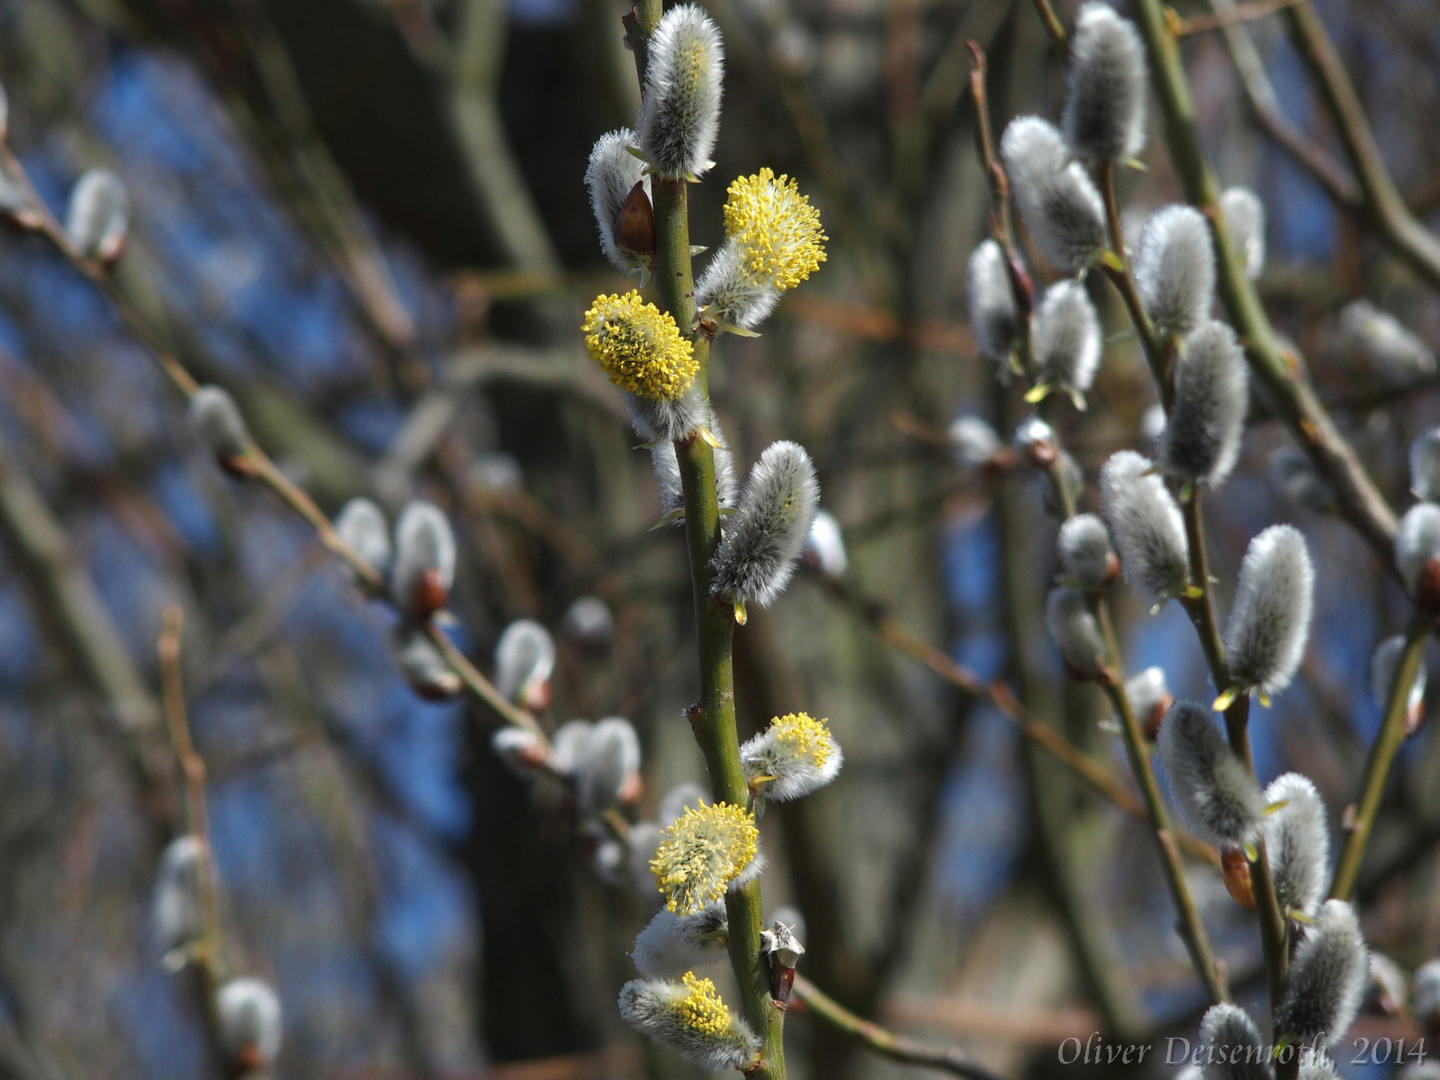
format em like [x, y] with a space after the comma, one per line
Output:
[886, 1043]
[1258, 9]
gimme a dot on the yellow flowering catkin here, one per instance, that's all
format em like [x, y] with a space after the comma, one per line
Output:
[704, 850]
[776, 228]
[800, 737]
[639, 346]
[701, 1009]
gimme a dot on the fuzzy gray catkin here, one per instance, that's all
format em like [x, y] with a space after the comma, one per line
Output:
[672, 944]
[653, 1008]
[421, 664]
[1175, 270]
[1066, 339]
[1230, 1045]
[667, 468]
[1201, 441]
[1146, 526]
[524, 657]
[609, 768]
[1245, 222]
[1417, 541]
[1270, 621]
[1383, 665]
[669, 419]
[98, 215]
[1104, 117]
[362, 526]
[250, 1022]
[680, 107]
[1061, 207]
[217, 423]
[1328, 976]
[423, 569]
[730, 293]
[1425, 466]
[825, 545]
[1397, 354]
[589, 622]
[176, 919]
[612, 173]
[993, 313]
[1297, 842]
[1087, 561]
[1076, 631]
[767, 531]
[973, 442]
[1216, 790]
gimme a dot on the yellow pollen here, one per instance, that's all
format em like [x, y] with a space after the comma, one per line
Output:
[701, 853]
[639, 346]
[701, 1009]
[776, 228]
[798, 735]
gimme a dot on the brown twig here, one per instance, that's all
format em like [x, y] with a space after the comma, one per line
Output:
[1257, 9]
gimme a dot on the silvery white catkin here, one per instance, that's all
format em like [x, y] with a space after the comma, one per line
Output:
[1245, 222]
[669, 419]
[680, 108]
[524, 656]
[667, 465]
[1396, 352]
[1146, 526]
[1104, 116]
[1216, 789]
[1417, 541]
[612, 173]
[495, 470]
[672, 944]
[1152, 424]
[973, 442]
[795, 768]
[569, 746]
[1033, 439]
[1295, 479]
[1270, 620]
[520, 750]
[767, 531]
[1328, 976]
[249, 1015]
[1175, 270]
[1425, 997]
[651, 1008]
[1312, 1068]
[421, 665]
[1150, 698]
[993, 314]
[1064, 212]
[1086, 559]
[1076, 631]
[1297, 841]
[217, 423]
[825, 546]
[1383, 665]
[682, 797]
[1066, 338]
[589, 622]
[175, 912]
[1202, 434]
[612, 761]
[1425, 466]
[362, 526]
[423, 569]
[730, 293]
[1230, 1045]
[98, 214]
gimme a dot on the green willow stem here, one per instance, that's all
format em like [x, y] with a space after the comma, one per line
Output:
[712, 718]
[1381, 758]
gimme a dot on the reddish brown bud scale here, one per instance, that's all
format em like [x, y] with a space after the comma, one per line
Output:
[1427, 587]
[635, 227]
[430, 594]
[1150, 722]
[237, 465]
[1236, 869]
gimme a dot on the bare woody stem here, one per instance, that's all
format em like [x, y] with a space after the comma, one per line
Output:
[713, 717]
[884, 1042]
[1381, 758]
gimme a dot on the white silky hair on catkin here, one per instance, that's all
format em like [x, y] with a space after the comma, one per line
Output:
[1152, 424]
[1230, 1045]
[589, 621]
[1425, 466]
[1245, 222]
[217, 423]
[1146, 690]
[973, 442]
[1104, 117]
[1297, 841]
[612, 756]
[1067, 337]
[1294, 478]
[611, 175]
[1425, 994]
[642, 844]
[668, 419]
[682, 797]
[515, 746]
[650, 1007]
[1085, 552]
[1076, 631]
[1206, 423]
[1030, 432]
[1397, 354]
[1216, 790]
[98, 214]
[667, 466]
[673, 944]
[1328, 976]
[729, 292]
[1064, 212]
[826, 545]
[1324, 1070]
[1270, 621]
[362, 525]
[249, 1015]
[1383, 664]
[767, 531]
[1417, 541]
[1145, 524]
[570, 745]
[176, 918]
[1175, 270]
[524, 654]
[993, 313]
[792, 777]
[680, 108]
[423, 543]
[420, 662]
